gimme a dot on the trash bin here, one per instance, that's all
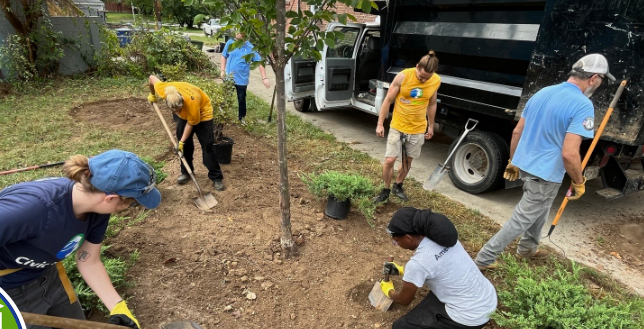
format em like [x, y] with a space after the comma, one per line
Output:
[124, 35]
[198, 44]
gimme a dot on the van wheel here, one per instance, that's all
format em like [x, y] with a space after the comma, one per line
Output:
[302, 105]
[478, 164]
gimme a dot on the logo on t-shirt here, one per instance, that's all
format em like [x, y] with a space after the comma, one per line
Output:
[589, 123]
[71, 246]
[404, 100]
[10, 317]
[416, 93]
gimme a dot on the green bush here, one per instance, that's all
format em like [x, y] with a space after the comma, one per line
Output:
[556, 298]
[343, 186]
[224, 104]
[151, 51]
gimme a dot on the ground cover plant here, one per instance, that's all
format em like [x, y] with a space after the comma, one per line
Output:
[192, 265]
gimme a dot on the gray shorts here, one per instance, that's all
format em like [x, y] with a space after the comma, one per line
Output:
[45, 295]
[394, 144]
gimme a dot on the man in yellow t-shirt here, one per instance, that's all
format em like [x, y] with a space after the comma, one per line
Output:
[193, 110]
[414, 93]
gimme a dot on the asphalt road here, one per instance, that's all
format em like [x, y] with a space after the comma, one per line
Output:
[574, 232]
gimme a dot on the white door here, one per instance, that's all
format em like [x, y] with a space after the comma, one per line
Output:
[335, 74]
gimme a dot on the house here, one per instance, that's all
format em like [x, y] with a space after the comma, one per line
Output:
[91, 8]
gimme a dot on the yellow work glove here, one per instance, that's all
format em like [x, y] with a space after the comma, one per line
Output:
[386, 287]
[122, 316]
[511, 172]
[578, 189]
[152, 98]
[392, 268]
[181, 146]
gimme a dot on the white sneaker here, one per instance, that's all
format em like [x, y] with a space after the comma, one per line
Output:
[242, 122]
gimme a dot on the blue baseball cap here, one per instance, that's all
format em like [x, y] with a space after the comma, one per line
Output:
[123, 173]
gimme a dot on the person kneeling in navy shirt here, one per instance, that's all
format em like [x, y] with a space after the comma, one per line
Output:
[44, 221]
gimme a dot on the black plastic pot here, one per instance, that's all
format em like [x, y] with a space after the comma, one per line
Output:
[337, 209]
[224, 150]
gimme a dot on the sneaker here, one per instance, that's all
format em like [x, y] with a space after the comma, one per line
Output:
[493, 266]
[218, 185]
[184, 178]
[382, 197]
[242, 122]
[539, 254]
[397, 190]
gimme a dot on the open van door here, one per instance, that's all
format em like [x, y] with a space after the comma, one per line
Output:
[335, 73]
[299, 78]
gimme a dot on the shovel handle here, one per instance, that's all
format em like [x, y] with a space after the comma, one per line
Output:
[175, 144]
[467, 130]
[65, 323]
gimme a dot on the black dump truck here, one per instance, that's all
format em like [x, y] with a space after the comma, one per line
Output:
[494, 55]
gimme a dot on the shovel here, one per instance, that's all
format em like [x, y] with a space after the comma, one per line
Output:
[440, 170]
[67, 323]
[377, 298]
[203, 202]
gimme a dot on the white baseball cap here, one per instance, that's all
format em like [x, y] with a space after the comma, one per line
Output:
[593, 63]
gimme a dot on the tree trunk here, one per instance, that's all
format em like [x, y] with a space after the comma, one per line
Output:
[157, 13]
[288, 246]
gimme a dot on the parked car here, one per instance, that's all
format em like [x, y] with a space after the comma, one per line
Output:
[211, 27]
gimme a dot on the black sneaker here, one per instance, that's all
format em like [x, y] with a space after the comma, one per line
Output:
[184, 178]
[218, 185]
[382, 197]
[397, 190]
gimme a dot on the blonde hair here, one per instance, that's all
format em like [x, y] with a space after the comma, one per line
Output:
[172, 98]
[429, 62]
[76, 168]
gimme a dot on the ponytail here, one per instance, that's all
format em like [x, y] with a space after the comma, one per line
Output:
[76, 168]
[429, 62]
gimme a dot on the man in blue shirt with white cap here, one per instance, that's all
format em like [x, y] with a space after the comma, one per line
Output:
[45, 221]
[233, 63]
[545, 145]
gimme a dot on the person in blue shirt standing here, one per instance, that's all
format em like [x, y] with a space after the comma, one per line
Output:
[44, 221]
[233, 63]
[545, 145]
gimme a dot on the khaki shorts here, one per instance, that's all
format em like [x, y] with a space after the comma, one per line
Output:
[394, 145]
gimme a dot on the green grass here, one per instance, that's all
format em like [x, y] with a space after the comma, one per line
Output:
[121, 18]
[208, 41]
[37, 128]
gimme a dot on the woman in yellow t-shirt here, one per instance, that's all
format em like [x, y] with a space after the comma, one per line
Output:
[413, 93]
[194, 111]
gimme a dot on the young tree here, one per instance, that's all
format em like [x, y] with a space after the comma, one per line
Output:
[264, 24]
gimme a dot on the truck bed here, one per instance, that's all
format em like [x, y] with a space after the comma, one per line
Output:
[496, 54]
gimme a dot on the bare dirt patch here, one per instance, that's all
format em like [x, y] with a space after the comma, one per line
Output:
[623, 239]
[205, 266]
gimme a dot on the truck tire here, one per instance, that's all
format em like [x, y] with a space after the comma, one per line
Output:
[478, 164]
[302, 105]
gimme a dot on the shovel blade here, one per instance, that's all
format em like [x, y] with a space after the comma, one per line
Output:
[434, 178]
[205, 202]
[378, 299]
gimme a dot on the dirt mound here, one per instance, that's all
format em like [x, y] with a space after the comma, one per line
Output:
[206, 266]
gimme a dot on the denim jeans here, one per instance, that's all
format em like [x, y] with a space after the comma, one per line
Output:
[45, 295]
[528, 218]
[206, 137]
[241, 100]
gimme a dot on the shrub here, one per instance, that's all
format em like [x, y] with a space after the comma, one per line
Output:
[224, 104]
[556, 298]
[343, 186]
[151, 51]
